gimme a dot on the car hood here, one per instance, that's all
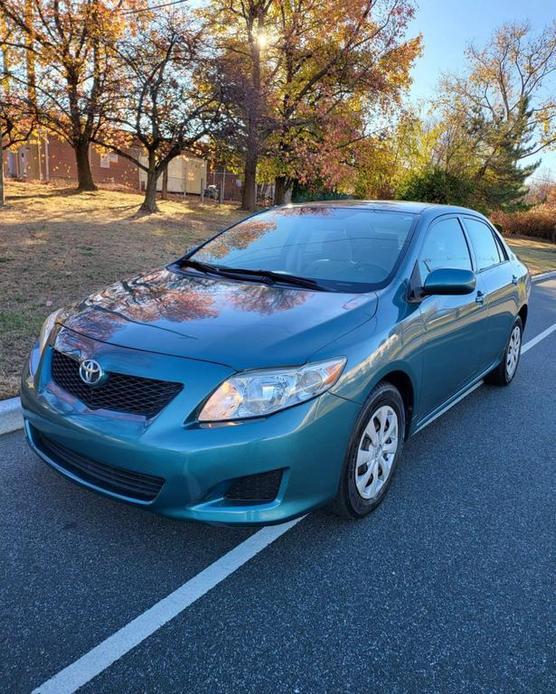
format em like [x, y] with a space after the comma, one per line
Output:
[239, 324]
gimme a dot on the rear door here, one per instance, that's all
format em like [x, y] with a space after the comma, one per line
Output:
[494, 271]
[453, 324]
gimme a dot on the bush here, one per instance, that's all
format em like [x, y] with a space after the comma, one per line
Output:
[538, 221]
[304, 193]
[436, 185]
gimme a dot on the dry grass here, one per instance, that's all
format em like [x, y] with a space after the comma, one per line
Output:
[539, 256]
[57, 246]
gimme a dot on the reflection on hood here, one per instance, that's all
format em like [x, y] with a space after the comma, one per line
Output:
[214, 318]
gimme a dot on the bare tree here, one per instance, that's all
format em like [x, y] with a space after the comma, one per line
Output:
[167, 97]
[507, 94]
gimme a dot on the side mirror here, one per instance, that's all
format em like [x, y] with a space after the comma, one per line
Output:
[449, 281]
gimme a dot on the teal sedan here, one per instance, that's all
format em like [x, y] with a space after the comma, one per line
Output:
[281, 365]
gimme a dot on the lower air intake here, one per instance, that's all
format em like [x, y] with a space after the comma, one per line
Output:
[255, 488]
[128, 483]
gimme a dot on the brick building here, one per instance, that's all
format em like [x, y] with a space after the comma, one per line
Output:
[51, 159]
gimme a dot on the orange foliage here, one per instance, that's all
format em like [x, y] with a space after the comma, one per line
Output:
[539, 222]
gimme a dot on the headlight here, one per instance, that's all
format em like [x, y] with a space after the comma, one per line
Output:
[259, 393]
[47, 328]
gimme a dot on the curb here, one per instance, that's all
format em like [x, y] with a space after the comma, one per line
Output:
[543, 276]
[10, 415]
[10, 410]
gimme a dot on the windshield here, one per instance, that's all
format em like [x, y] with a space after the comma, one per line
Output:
[342, 249]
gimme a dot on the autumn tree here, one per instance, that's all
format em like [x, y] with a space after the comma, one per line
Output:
[16, 126]
[345, 71]
[167, 97]
[63, 62]
[304, 72]
[402, 147]
[237, 31]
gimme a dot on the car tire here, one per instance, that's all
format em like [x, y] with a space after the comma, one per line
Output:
[369, 465]
[505, 372]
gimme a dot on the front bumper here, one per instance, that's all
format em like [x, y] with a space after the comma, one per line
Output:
[197, 463]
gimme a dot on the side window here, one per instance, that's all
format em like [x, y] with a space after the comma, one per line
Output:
[445, 247]
[484, 245]
[501, 250]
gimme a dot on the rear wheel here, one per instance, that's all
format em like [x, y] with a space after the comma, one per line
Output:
[504, 373]
[373, 453]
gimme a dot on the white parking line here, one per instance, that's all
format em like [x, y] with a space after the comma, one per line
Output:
[132, 634]
[114, 647]
[535, 341]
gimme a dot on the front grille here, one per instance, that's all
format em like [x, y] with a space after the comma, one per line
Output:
[134, 485]
[120, 392]
[255, 488]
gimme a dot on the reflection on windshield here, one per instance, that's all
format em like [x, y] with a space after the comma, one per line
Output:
[250, 231]
[340, 248]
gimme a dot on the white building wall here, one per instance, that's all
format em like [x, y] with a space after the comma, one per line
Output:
[185, 174]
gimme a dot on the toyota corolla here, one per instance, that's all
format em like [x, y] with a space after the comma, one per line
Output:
[281, 365]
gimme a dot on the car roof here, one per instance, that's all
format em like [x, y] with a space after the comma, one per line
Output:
[391, 205]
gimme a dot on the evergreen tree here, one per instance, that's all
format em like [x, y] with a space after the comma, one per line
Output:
[500, 182]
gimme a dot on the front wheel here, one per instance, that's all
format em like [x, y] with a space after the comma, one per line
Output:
[504, 373]
[373, 453]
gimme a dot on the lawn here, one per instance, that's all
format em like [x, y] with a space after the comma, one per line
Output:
[539, 256]
[57, 246]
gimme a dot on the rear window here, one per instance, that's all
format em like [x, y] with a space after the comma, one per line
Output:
[346, 249]
[486, 249]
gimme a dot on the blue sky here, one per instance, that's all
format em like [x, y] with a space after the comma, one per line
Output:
[449, 25]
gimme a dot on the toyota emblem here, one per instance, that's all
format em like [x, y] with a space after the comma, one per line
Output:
[91, 372]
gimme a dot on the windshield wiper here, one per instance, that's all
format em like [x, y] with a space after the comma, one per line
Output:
[202, 267]
[271, 276]
[267, 276]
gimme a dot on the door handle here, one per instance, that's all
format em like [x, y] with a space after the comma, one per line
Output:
[514, 279]
[480, 298]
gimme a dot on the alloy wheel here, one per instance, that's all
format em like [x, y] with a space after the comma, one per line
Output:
[376, 452]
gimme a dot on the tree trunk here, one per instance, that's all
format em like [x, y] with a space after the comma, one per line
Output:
[164, 195]
[282, 190]
[149, 203]
[84, 176]
[2, 199]
[249, 192]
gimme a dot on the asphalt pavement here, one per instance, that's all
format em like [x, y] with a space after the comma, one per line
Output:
[448, 587]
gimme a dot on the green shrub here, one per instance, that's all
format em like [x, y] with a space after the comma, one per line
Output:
[538, 221]
[306, 194]
[436, 185]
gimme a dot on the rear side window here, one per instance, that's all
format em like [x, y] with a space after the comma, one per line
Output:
[484, 245]
[445, 247]
[501, 250]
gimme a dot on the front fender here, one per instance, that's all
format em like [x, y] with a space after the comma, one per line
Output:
[373, 354]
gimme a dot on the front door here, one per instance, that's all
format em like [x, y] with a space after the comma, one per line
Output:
[453, 325]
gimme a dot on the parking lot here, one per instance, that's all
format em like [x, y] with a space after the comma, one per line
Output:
[448, 587]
